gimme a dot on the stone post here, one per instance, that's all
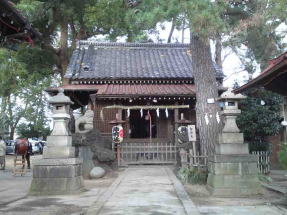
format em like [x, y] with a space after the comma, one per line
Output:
[183, 157]
[284, 123]
[59, 172]
[232, 170]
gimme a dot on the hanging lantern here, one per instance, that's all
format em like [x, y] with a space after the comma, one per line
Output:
[117, 134]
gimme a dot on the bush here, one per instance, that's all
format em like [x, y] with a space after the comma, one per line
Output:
[282, 154]
[260, 118]
[192, 175]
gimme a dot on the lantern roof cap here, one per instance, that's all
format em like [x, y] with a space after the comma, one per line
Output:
[229, 95]
[60, 98]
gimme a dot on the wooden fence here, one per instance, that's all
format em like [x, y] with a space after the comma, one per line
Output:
[197, 160]
[263, 163]
[148, 153]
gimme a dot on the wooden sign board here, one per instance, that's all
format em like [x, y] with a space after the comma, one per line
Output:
[191, 133]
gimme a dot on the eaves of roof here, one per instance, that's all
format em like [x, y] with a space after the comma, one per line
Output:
[270, 73]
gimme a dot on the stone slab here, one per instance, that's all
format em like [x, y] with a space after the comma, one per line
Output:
[232, 192]
[233, 181]
[60, 140]
[231, 148]
[231, 138]
[59, 152]
[68, 171]
[56, 186]
[233, 158]
[233, 168]
[58, 162]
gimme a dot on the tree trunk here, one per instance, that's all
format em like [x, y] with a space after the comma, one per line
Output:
[218, 49]
[206, 88]
[74, 35]
[183, 28]
[12, 132]
[171, 30]
[63, 47]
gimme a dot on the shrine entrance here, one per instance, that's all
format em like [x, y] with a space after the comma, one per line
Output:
[143, 125]
[150, 141]
[148, 153]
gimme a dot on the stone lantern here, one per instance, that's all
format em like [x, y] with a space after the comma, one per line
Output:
[230, 139]
[59, 172]
[60, 140]
[232, 170]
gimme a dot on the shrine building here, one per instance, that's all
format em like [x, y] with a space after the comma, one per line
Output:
[147, 85]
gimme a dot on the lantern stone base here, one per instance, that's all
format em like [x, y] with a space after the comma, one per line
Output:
[230, 148]
[57, 177]
[59, 146]
[233, 176]
[59, 152]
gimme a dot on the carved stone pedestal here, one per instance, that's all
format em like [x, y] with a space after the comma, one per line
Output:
[57, 177]
[233, 175]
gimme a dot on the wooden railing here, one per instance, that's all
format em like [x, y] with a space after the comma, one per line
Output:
[195, 158]
[263, 163]
[147, 153]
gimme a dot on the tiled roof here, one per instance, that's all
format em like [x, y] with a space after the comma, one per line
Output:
[272, 78]
[131, 61]
[133, 89]
[146, 89]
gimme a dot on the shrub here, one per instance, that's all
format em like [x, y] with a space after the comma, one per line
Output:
[282, 154]
[260, 118]
[192, 175]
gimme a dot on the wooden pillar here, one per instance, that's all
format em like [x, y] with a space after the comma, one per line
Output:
[120, 114]
[93, 107]
[285, 118]
[176, 114]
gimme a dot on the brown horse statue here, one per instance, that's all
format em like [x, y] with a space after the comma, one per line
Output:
[21, 147]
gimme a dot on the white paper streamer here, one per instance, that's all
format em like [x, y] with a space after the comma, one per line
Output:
[157, 112]
[217, 117]
[141, 112]
[128, 112]
[206, 119]
[166, 113]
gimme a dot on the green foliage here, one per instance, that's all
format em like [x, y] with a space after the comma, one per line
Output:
[10, 72]
[282, 156]
[37, 61]
[257, 120]
[22, 84]
[33, 130]
[208, 20]
[192, 175]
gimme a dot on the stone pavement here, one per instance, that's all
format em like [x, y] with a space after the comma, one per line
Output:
[278, 181]
[150, 190]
